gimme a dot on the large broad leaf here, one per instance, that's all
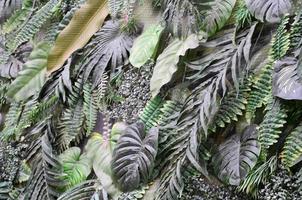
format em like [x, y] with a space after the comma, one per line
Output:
[217, 15]
[109, 47]
[237, 156]
[133, 157]
[31, 79]
[145, 46]
[166, 64]
[84, 23]
[287, 83]
[76, 167]
[269, 10]
[99, 151]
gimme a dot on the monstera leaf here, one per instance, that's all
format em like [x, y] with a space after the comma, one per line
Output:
[287, 83]
[76, 167]
[145, 46]
[269, 10]
[237, 156]
[166, 64]
[133, 157]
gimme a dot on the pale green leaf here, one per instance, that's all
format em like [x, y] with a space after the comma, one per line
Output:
[166, 64]
[145, 46]
[31, 79]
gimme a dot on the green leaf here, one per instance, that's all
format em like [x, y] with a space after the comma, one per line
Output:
[31, 79]
[99, 151]
[76, 167]
[166, 64]
[145, 46]
[237, 156]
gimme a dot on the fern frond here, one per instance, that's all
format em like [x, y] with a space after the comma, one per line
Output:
[261, 90]
[274, 120]
[72, 119]
[242, 15]
[90, 109]
[232, 106]
[34, 24]
[11, 121]
[100, 91]
[296, 33]
[19, 16]
[262, 85]
[281, 40]
[258, 175]
[151, 113]
[292, 149]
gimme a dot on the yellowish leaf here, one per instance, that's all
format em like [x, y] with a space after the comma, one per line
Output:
[85, 22]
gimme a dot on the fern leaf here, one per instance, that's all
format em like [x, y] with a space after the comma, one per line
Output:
[232, 106]
[242, 15]
[72, 119]
[281, 40]
[90, 109]
[292, 149]
[34, 24]
[261, 90]
[11, 121]
[270, 128]
[17, 18]
[296, 33]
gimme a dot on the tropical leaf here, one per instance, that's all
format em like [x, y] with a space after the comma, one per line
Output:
[7, 7]
[166, 64]
[44, 181]
[84, 23]
[269, 10]
[216, 17]
[83, 191]
[237, 156]
[99, 149]
[259, 175]
[145, 46]
[31, 79]
[109, 47]
[134, 155]
[286, 80]
[76, 167]
[33, 26]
